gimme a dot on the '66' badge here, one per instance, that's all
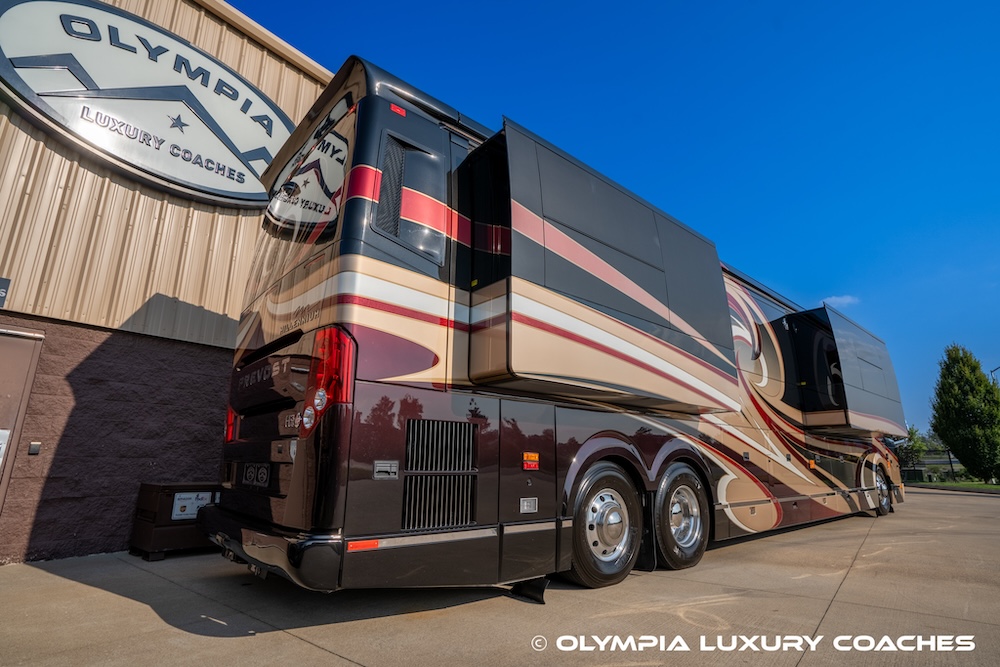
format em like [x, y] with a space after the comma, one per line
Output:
[140, 97]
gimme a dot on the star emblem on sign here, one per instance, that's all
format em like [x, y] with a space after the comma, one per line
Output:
[177, 122]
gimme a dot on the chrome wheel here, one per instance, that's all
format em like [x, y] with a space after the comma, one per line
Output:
[682, 518]
[607, 525]
[884, 501]
[685, 517]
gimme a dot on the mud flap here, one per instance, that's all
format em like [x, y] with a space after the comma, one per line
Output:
[647, 560]
[532, 590]
[865, 500]
[864, 494]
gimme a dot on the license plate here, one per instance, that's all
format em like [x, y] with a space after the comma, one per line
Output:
[257, 474]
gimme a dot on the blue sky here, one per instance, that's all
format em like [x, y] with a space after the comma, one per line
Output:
[847, 151]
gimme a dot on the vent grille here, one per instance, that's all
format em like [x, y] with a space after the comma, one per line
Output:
[439, 490]
[438, 446]
[438, 501]
[390, 194]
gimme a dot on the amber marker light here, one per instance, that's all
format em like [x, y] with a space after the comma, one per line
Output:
[529, 461]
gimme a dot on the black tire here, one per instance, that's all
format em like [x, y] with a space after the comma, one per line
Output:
[681, 517]
[607, 527]
[884, 504]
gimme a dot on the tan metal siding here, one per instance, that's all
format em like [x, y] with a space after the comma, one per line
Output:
[85, 243]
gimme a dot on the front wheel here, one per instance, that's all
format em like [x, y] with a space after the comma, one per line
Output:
[607, 527]
[884, 505]
[682, 520]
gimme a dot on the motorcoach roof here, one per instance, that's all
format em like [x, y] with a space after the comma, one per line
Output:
[358, 78]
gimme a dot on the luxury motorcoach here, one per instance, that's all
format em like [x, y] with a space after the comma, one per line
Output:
[465, 358]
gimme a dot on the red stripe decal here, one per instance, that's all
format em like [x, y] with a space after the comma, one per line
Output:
[542, 232]
[501, 239]
[768, 419]
[495, 321]
[461, 228]
[494, 239]
[524, 221]
[401, 311]
[562, 333]
[425, 210]
[418, 207]
[753, 478]
[364, 181]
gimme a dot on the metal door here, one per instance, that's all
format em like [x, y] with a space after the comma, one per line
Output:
[19, 352]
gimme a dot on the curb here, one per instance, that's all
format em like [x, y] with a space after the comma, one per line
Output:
[951, 488]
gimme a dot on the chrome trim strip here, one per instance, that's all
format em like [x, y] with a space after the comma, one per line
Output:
[795, 499]
[753, 503]
[416, 540]
[816, 496]
[513, 529]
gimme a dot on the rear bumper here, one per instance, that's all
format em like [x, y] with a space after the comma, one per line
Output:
[311, 561]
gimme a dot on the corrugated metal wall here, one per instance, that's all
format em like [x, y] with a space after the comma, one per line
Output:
[84, 243]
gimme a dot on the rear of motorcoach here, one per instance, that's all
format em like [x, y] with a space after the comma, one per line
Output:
[286, 456]
[292, 378]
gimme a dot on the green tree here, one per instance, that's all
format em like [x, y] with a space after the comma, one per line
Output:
[966, 412]
[936, 447]
[912, 451]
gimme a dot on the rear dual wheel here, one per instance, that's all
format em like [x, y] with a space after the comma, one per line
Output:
[607, 523]
[607, 527]
[681, 514]
[884, 505]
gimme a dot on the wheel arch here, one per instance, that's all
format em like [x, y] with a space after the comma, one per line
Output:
[605, 447]
[613, 448]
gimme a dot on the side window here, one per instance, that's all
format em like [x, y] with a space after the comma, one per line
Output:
[404, 212]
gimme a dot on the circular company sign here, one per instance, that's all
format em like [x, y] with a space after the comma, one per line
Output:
[140, 97]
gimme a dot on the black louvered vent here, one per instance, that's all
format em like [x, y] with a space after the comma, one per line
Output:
[390, 194]
[438, 501]
[437, 446]
[439, 489]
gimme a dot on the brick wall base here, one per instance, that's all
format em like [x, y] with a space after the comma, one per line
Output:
[112, 409]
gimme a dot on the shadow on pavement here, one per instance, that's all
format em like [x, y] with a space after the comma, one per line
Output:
[207, 595]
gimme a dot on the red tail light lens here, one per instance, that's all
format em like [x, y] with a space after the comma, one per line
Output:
[230, 424]
[331, 375]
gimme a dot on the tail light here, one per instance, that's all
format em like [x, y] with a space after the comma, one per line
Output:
[230, 424]
[331, 376]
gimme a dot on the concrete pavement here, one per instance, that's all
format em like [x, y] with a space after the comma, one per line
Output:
[930, 570]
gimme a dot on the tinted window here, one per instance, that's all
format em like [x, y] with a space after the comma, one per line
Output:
[403, 163]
